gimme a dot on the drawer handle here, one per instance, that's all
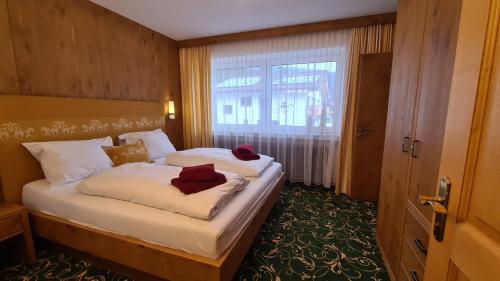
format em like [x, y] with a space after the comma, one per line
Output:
[414, 275]
[415, 149]
[404, 144]
[421, 246]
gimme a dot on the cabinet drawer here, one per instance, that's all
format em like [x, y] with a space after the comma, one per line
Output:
[410, 264]
[403, 275]
[417, 236]
[10, 226]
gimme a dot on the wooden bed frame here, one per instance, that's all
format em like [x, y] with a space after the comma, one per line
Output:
[28, 119]
[160, 261]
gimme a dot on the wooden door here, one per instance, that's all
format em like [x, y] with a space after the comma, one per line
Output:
[374, 79]
[471, 153]
[393, 182]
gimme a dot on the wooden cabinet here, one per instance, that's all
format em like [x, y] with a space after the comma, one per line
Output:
[424, 51]
[417, 236]
[402, 97]
[13, 222]
[438, 54]
[410, 268]
[10, 226]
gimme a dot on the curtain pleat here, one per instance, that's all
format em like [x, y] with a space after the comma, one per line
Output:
[196, 96]
[366, 40]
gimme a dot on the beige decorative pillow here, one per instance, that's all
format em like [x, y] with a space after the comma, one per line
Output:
[128, 153]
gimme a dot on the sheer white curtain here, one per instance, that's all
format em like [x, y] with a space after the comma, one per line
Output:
[285, 96]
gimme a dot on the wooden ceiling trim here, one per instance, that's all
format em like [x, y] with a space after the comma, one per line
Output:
[292, 30]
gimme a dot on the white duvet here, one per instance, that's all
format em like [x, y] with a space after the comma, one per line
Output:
[222, 158]
[149, 184]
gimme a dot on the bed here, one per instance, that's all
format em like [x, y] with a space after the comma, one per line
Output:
[157, 256]
[208, 238]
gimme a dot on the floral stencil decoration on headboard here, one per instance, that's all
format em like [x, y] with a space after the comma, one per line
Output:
[95, 126]
[160, 122]
[144, 122]
[14, 130]
[59, 128]
[122, 123]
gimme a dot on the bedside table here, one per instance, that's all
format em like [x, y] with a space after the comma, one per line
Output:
[14, 221]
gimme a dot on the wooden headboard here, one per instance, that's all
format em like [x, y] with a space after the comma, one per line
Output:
[31, 119]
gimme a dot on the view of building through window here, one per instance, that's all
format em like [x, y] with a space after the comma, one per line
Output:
[278, 97]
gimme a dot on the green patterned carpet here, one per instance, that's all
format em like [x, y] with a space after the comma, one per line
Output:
[311, 234]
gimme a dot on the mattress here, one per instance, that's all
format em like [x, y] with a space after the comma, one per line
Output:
[201, 237]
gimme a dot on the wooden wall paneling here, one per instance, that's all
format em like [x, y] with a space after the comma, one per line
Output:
[403, 91]
[22, 37]
[86, 67]
[9, 83]
[119, 44]
[436, 73]
[79, 49]
[172, 88]
[56, 49]
[148, 70]
[163, 58]
[82, 50]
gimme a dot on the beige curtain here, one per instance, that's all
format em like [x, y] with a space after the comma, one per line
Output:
[196, 96]
[366, 40]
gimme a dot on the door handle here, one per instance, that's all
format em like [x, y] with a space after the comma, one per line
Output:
[439, 204]
[415, 148]
[434, 202]
[364, 130]
[404, 144]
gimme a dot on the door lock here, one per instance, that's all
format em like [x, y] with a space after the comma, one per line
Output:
[439, 204]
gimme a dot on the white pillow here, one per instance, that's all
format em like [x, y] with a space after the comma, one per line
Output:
[156, 142]
[69, 161]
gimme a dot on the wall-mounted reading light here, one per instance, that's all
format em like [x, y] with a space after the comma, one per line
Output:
[171, 110]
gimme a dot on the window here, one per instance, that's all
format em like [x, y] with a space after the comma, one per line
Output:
[301, 92]
[286, 92]
[236, 89]
[285, 96]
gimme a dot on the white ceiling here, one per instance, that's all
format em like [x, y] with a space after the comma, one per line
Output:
[186, 19]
